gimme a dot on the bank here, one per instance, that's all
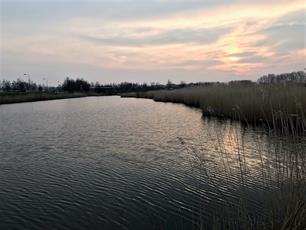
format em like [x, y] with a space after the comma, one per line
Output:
[18, 97]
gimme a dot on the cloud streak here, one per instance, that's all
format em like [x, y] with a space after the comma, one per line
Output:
[150, 37]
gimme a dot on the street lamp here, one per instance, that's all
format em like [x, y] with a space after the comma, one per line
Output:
[28, 75]
[46, 87]
[29, 81]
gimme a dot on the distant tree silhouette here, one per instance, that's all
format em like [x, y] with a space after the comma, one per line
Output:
[294, 77]
[81, 85]
[169, 84]
[182, 84]
[6, 86]
[78, 85]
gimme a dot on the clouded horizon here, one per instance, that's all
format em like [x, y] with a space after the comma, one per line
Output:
[151, 41]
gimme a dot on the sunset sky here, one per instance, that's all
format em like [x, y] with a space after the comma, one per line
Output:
[151, 41]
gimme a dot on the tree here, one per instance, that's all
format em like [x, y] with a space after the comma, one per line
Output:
[6, 86]
[169, 84]
[182, 84]
[78, 85]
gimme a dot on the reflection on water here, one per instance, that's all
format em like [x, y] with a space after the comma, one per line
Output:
[113, 163]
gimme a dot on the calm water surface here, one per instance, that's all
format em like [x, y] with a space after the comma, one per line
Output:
[113, 163]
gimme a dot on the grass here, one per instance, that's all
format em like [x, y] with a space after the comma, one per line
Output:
[16, 97]
[277, 106]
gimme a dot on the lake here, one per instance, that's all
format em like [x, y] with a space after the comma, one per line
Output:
[123, 163]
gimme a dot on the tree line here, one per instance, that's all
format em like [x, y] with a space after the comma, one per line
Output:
[81, 85]
[20, 86]
[294, 77]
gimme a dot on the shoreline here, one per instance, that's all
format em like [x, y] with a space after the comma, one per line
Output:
[276, 107]
[12, 98]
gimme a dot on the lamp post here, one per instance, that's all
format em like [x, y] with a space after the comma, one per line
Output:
[58, 86]
[29, 81]
[28, 75]
[45, 86]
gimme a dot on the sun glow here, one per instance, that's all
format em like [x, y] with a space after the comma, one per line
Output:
[234, 58]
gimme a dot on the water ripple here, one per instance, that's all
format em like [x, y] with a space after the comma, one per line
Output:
[113, 163]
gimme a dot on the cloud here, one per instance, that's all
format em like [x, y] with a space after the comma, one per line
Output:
[45, 10]
[177, 36]
[181, 38]
[285, 36]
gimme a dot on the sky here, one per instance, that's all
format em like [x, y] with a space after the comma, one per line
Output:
[151, 41]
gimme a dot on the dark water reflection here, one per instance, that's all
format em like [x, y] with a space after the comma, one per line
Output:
[112, 163]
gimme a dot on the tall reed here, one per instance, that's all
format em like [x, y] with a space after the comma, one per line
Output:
[282, 179]
[269, 180]
[276, 106]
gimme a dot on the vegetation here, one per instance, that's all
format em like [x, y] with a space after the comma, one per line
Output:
[277, 102]
[278, 179]
[16, 97]
[81, 85]
[115, 89]
[275, 105]
[78, 85]
[24, 91]
[296, 77]
[19, 86]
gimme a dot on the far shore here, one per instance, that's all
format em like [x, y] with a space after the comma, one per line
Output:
[18, 97]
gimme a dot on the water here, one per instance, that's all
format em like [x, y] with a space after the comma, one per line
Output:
[114, 163]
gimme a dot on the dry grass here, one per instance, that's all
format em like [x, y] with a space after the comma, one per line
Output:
[276, 106]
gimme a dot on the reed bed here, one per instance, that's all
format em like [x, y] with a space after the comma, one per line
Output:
[276, 106]
[282, 188]
[281, 184]
[270, 180]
